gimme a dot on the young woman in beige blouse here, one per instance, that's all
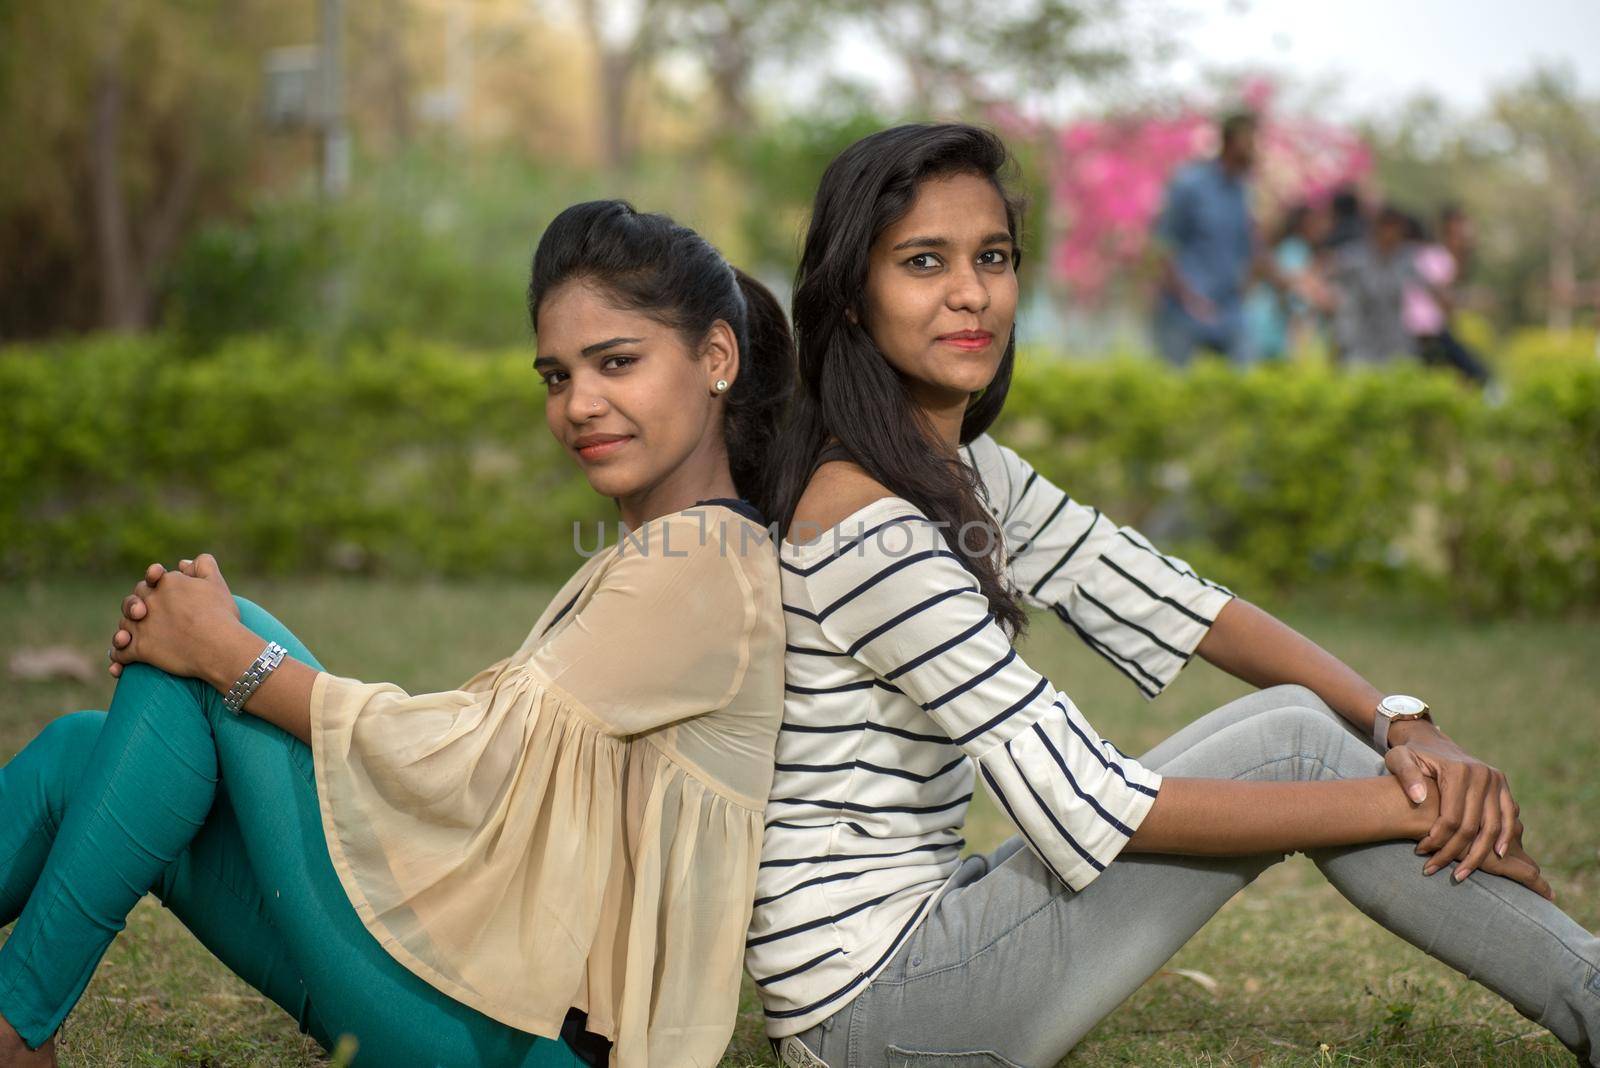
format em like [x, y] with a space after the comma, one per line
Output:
[558, 855]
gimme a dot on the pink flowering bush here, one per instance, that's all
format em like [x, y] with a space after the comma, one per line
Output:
[1108, 176]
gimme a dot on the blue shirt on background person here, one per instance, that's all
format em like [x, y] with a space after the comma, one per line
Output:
[1206, 227]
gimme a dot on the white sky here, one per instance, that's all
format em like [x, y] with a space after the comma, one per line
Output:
[1372, 54]
[1381, 51]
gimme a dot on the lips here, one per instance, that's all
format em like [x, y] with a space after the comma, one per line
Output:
[968, 340]
[596, 446]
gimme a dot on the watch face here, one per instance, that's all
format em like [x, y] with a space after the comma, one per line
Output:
[1400, 704]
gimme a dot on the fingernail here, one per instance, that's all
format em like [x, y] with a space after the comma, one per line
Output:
[1500, 849]
[1461, 874]
[1419, 793]
[1429, 870]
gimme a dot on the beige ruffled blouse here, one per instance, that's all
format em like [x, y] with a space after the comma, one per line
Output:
[579, 825]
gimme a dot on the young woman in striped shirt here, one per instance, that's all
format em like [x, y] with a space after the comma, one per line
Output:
[912, 543]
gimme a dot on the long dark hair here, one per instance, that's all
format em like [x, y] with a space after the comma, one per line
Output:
[651, 264]
[848, 390]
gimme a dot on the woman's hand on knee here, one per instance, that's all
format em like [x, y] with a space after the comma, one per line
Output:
[1519, 866]
[1514, 863]
[1476, 809]
[137, 606]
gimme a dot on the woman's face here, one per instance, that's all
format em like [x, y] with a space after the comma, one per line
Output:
[626, 396]
[941, 291]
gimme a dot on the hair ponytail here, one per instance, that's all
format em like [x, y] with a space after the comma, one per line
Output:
[758, 399]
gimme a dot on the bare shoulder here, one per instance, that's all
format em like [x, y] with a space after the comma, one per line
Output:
[837, 491]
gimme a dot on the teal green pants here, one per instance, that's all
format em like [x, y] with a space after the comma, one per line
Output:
[215, 814]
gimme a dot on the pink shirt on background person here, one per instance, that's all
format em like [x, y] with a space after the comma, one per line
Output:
[1421, 313]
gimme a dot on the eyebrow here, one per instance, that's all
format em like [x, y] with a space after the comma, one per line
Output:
[591, 350]
[601, 346]
[996, 238]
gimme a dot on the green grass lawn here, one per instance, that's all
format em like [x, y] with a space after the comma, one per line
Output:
[1301, 976]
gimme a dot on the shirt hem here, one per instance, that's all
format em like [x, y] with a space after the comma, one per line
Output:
[785, 1028]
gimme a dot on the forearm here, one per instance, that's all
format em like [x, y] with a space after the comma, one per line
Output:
[1252, 645]
[1225, 817]
[283, 698]
[1260, 649]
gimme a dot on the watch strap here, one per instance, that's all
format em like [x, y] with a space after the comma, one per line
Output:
[1383, 720]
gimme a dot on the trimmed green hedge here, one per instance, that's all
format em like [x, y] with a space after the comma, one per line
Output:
[414, 458]
[1293, 477]
[411, 458]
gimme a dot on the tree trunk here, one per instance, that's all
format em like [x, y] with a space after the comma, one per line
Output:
[616, 144]
[397, 79]
[730, 62]
[123, 301]
[1563, 280]
[614, 69]
[167, 217]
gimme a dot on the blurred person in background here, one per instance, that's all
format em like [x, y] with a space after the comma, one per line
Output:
[1348, 221]
[1207, 239]
[1430, 296]
[1369, 275]
[1284, 303]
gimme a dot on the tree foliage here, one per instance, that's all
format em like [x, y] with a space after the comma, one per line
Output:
[121, 122]
[1527, 170]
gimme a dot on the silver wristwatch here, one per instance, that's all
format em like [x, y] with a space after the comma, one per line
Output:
[264, 665]
[1396, 708]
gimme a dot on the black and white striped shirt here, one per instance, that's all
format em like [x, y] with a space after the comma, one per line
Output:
[903, 691]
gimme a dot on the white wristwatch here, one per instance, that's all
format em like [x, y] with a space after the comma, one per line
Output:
[1397, 707]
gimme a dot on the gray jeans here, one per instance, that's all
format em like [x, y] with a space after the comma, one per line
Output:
[1013, 968]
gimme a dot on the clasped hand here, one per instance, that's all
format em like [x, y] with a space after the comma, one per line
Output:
[172, 618]
[1466, 812]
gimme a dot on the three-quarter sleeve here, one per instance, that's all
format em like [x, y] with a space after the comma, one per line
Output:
[1143, 610]
[901, 603]
[468, 825]
[526, 844]
[667, 632]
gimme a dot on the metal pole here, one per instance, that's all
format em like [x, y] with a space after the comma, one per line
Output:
[335, 135]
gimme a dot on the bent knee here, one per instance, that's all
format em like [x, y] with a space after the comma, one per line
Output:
[75, 728]
[140, 677]
[170, 706]
[259, 621]
[1293, 695]
[263, 624]
[73, 735]
[68, 741]
[1318, 745]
